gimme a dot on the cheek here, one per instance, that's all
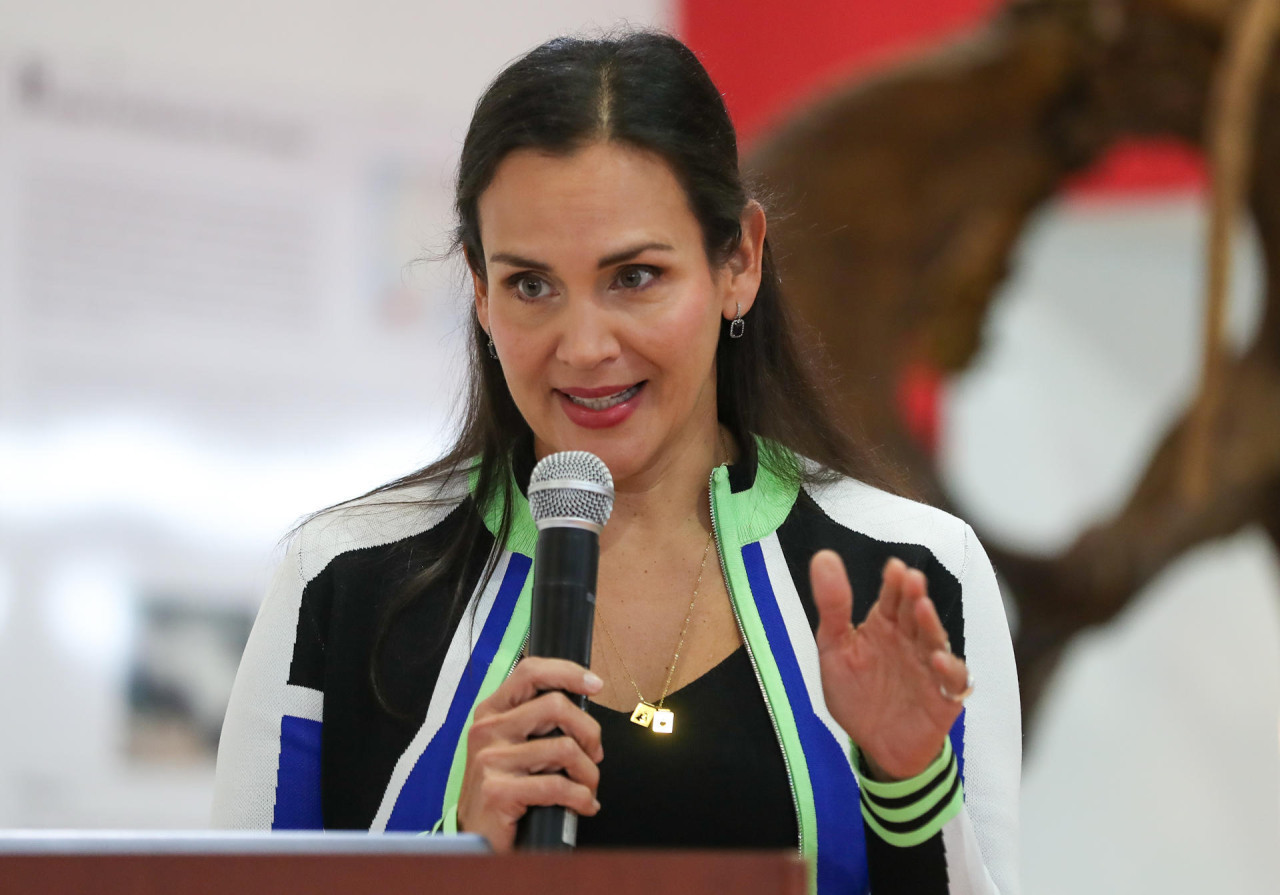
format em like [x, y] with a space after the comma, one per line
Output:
[687, 337]
[522, 356]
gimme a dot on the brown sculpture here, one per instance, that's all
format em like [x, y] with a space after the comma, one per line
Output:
[905, 194]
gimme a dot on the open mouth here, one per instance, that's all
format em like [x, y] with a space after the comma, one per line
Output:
[607, 401]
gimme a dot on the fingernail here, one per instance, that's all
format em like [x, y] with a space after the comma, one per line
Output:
[595, 803]
[592, 681]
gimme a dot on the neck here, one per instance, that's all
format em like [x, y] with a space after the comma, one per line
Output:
[668, 499]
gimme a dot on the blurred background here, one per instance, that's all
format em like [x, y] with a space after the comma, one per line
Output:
[222, 307]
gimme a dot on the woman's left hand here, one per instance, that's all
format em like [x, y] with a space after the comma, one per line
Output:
[884, 680]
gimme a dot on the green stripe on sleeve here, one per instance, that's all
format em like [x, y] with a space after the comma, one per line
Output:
[921, 807]
[922, 834]
[898, 789]
[943, 774]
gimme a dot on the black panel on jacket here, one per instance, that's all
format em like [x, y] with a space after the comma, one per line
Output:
[808, 529]
[718, 781]
[741, 477]
[894, 869]
[306, 669]
[348, 601]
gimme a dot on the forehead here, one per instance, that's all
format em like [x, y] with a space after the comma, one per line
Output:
[590, 201]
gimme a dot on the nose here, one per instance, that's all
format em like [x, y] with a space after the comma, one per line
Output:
[588, 335]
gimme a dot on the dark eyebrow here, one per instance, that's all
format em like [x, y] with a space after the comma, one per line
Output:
[628, 254]
[607, 261]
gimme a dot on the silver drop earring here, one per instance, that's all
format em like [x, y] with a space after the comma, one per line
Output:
[737, 326]
[493, 351]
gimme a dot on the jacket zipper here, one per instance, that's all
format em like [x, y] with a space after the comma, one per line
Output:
[520, 652]
[724, 571]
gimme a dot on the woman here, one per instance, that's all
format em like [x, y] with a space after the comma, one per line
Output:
[627, 304]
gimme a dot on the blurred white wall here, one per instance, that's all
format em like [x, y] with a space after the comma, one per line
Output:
[152, 451]
[1156, 763]
[431, 55]
[211, 323]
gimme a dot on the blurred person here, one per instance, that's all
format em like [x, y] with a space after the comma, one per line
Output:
[627, 304]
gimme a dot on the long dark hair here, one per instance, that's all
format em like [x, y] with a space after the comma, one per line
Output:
[649, 91]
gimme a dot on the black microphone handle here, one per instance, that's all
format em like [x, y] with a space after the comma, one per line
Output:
[562, 615]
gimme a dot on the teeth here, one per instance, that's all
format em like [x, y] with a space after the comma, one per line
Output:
[606, 402]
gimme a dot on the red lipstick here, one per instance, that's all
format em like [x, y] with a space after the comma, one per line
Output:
[591, 418]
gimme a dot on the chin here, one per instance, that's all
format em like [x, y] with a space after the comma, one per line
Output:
[621, 466]
[623, 460]
[580, 440]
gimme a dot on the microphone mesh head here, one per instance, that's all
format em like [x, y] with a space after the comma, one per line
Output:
[572, 488]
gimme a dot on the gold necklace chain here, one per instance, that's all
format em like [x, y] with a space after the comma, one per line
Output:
[646, 713]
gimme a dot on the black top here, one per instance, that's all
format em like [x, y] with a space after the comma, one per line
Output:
[718, 780]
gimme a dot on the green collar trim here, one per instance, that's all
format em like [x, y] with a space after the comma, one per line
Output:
[757, 512]
[745, 517]
[524, 533]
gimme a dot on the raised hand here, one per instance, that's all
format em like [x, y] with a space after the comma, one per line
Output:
[507, 771]
[891, 682]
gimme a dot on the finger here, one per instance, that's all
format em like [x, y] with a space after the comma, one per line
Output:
[537, 674]
[913, 589]
[833, 596]
[545, 714]
[503, 799]
[555, 711]
[954, 681]
[891, 588]
[544, 756]
[546, 789]
[930, 634]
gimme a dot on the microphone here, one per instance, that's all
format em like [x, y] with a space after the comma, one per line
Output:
[570, 497]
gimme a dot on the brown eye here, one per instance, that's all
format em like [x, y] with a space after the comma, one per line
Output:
[635, 277]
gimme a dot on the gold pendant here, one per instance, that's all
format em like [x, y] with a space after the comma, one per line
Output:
[643, 715]
[664, 721]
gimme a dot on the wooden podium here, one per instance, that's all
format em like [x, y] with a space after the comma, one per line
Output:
[255, 872]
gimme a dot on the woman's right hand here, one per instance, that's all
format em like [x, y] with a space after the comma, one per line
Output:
[507, 771]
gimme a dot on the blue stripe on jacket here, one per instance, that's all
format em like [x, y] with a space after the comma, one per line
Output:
[298, 776]
[421, 800]
[842, 848]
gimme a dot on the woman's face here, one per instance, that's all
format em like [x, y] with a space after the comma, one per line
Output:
[603, 307]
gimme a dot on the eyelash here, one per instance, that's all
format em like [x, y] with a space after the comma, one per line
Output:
[513, 281]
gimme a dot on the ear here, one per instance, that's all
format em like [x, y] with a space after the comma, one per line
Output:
[744, 265]
[481, 286]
